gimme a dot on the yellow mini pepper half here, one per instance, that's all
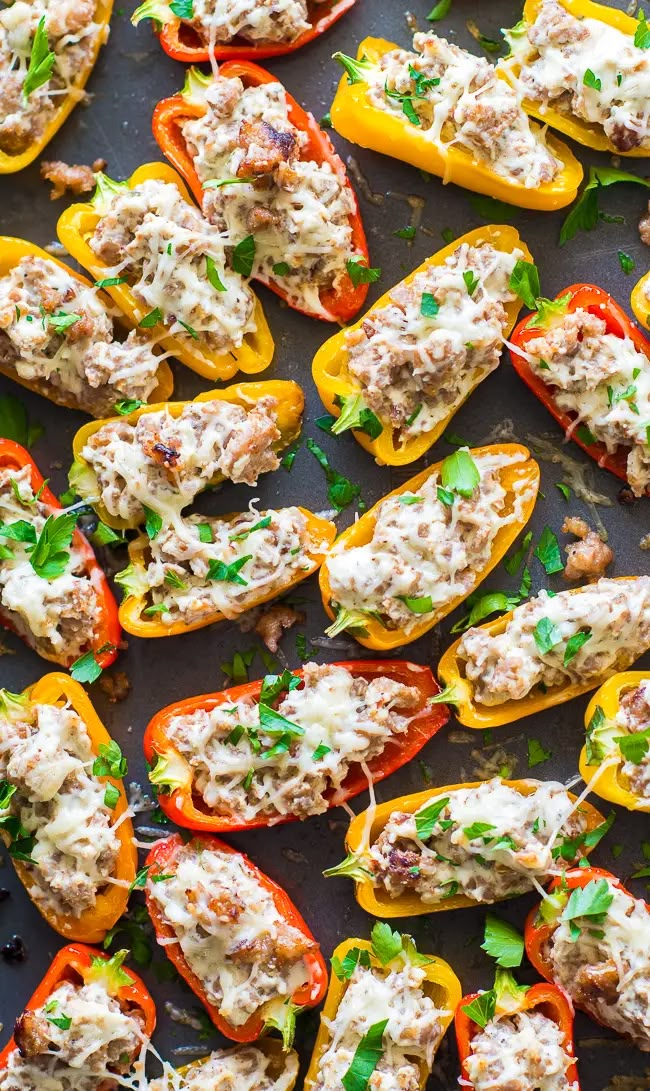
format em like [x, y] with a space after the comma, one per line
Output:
[522, 475]
[366, 827]
[9, 164]
[290, 403]
[12, 252]
[76, 227]
[441, 985]
[598, 765]
[356, 119]
[640, 301]
[281, 1065]
[451, 670]
[334, 381]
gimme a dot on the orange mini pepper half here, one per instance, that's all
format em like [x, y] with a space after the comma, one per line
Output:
[75, 229]
[451, 669]
[290, 403]
[9, 163]
[161, 861]
[334, 381]
[366, 827]
[108, 633]
[13, 251]
[521, 475]
[598, 765]
[356, 119]
[92, 924]
[340, 303]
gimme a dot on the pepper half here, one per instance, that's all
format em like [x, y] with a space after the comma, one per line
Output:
[321, 532]
[451, 669]
[340, 303]
[160, 861]
[290, 404]
[180, 40]
[356, 119]
[583, 132]
[9, 164]
[108, 632]
[75, 228]
[589, 298]
[441, 985]
[78, 963]
[92, 925]
[523, 474]
[366, 827]
[270, 1047]
[334, 381]
[640, 302]
[12, 251]
[185, 807]
[609, 783]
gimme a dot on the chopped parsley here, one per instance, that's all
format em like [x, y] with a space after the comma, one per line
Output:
[536, 753]
[360, 273]
[243, 256]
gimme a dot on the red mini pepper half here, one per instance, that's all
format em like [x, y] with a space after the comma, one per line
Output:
[78, 964]
[342, 303]
[589, 298]
[108, 632]
[186, 807]
[160, 861]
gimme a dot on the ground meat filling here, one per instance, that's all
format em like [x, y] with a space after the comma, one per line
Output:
[603, 381]
[242, 950]
[590, 556]
[56, 616]
[162, 461]
[173, 259]
[57, 334]
[339, 721]
[605, 968]
[245, 1067]
[587, 69]
[67, 833]
[534, 650]
[298, 211]
[412, 1035]
[460, 101]
[259, 21]
[72, 36]
[424, 552]
[633, 717]
[415, 367]
[487, 843]
[520, 1052]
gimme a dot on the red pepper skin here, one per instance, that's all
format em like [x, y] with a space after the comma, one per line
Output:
[589, 298]
[108, 627]
[342, 303]
[72, 963]
[549, 999]
[182, 43]
[183, 808]
[161, 861]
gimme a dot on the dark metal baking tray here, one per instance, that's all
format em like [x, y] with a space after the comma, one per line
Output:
[132, 74]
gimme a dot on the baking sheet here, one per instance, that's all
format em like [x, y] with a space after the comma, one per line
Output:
[132, 74]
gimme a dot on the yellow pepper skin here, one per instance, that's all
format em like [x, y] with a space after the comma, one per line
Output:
[332, 378]
[289, 409]
[10, 164]
[321, 531]
[583, 132]
[611, 784]
[440, 984]
[356, 119]
[524, 474]
[471, 714]
[75, 228]
[270, 1047]
[640, 302]
[377, 901]
[92, 924]
[12, 252]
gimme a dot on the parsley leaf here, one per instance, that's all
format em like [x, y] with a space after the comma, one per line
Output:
[547, 635]
[547, 551]
[439, 11]
[213, 275]
[152, 522]
[153, 318]
[513, 563]
[634, 747]
[344, 968]
[87, 668]
[460, 473]
[471, 281]
[642, 33]
[584, 214]
[49, 557]
[503, 942]
[627, 263]
[127, 405]
[481, 1010]
[386, 944]
[588, 901]
[243, 256]
[575, 643]
[341, 491]
[360, 273]
[422, 605]
[275, 684]
[260, 525]
[427, 817]
[429, 305]
[524, 281]
[182, 9]
[591, 80]
[110, 761]
[536, 753]
[228, 573]
[366, 1058]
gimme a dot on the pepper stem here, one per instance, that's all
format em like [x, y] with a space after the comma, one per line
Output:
[351, 868]
[356, 69]
[281, 1015]
[448, 696]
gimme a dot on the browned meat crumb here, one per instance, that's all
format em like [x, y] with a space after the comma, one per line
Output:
[75, 177]
[597, 982]
[273, 622]
[644, 227]
[266, 148]
[116, 686]
[588, 557]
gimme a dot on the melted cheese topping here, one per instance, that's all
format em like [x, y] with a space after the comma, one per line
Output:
[462, 101]
[230, 932]
[244, 1067]
[272, 21]
[525, 1050]
[587, 68]
[507, 666]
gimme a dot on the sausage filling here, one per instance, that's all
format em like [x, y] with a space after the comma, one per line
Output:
[524, 1052]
